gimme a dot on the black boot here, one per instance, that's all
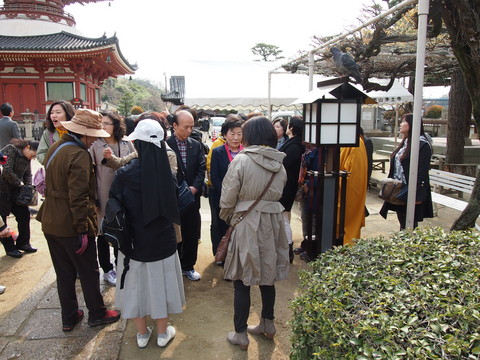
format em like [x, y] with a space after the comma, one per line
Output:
[290, 252]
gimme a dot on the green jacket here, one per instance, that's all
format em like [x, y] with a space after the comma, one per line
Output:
[69, 206]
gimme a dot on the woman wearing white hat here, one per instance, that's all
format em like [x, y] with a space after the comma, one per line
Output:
[153, 284]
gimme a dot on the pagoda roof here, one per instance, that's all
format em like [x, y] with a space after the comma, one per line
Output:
[59, 42]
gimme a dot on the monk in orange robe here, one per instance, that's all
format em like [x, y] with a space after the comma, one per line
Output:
[354, 160]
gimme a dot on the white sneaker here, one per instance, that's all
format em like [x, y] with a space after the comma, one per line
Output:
[163, 341]
[191, 275]
[142, 340]
[110, 277]
[2, 289]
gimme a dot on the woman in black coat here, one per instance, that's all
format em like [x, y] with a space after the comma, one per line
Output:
[153, 284]
[17, 172]
[294, 149]
[400, 168]
[221, 157]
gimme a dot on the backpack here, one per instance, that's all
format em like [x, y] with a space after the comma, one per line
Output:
[115, 231]
[114, 227]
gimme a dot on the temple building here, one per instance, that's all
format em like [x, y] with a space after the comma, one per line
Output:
[44, 58]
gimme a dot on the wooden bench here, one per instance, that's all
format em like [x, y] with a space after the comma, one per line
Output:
[379, 164]
[444, 181]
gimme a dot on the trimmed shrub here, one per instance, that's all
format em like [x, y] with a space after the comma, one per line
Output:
[136, 110]
[433, 112]
[413, 296]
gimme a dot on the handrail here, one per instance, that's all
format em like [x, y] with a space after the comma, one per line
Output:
[49, 10]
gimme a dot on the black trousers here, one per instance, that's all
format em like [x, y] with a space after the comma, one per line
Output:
[22, 216]
[402, 219]
[104, 254]
[188, 248]
[241, 304]
[67, 265]
[218, 227]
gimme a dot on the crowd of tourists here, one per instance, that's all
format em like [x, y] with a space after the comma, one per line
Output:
[251, 174]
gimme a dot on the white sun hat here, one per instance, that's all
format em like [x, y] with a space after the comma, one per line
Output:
[148, 130]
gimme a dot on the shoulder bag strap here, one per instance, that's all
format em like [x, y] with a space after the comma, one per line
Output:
[256, 201]
[56, 151]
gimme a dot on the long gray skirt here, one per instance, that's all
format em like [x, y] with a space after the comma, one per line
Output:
[151, 288]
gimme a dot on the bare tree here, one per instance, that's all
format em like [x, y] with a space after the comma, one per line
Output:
[387, 49]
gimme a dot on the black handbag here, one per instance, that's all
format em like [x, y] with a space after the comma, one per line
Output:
[185, 197]
[26, 196]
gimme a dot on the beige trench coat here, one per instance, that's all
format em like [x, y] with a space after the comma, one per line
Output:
[258, 248]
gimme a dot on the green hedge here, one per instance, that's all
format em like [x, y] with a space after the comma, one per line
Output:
[413, 296]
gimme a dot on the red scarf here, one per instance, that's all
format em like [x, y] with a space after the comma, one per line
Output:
[229, 152]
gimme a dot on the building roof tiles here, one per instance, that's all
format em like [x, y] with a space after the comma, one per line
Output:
[62, 41]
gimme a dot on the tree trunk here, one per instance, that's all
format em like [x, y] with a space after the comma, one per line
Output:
[470, 214]
[459, 113]
[463, 25]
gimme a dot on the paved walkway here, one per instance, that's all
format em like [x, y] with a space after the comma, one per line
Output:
[31, 329]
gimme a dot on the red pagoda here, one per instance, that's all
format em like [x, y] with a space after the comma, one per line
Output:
[44, 58]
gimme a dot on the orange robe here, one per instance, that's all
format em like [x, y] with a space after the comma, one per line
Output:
[354, 160]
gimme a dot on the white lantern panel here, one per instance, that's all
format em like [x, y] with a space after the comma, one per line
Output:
[314, 134]
[329, 113]
[328, 134]
[306, 135]
[348, 113]
[314, 112]
[348, 134]
[308, 118]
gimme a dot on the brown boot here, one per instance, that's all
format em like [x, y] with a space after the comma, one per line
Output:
[265, 326]
[239, 338]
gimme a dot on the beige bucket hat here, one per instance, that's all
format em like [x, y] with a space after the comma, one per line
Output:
[86, 122]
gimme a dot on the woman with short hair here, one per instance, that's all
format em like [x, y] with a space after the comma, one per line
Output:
[222, 156]
[280, 125]
[17, 171]
[258, 249]
[104, 175]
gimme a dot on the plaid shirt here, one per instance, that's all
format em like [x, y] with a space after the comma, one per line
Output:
[182, 147]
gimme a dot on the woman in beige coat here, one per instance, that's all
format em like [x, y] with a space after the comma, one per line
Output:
[258, 249]
[120, 146]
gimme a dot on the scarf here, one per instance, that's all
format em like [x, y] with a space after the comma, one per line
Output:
[158, 188]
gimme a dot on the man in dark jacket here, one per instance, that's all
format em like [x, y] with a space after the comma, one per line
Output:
[69, 220]
[294, 149]
[191, 167]
[8, 128]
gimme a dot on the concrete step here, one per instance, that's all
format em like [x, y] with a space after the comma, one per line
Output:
[384, 152]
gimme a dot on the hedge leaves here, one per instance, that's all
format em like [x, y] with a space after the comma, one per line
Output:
[414, 296]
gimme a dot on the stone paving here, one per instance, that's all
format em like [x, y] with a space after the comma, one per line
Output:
[32, 328]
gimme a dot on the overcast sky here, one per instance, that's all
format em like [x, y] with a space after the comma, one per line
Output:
[158, 35]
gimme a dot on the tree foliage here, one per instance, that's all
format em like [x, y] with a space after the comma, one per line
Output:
[143, 93]
[266, 52]
[126, 103]
[433, 112]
